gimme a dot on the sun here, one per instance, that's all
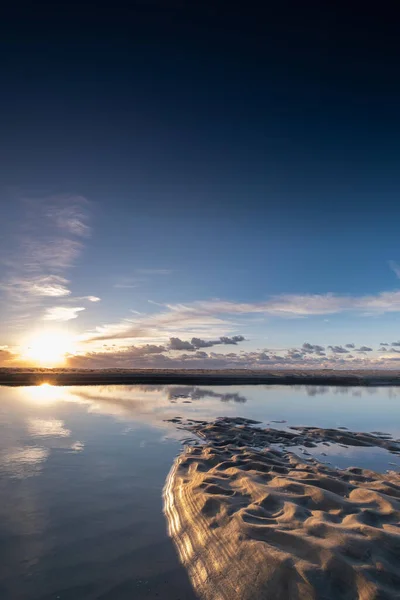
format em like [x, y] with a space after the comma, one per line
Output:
[48, 349]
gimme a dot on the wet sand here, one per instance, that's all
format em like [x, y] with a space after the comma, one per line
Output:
[35, 376]
[252, 522]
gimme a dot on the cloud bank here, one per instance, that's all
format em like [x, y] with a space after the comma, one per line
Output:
[183, 355]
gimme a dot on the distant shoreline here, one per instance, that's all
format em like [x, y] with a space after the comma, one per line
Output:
[66, 377]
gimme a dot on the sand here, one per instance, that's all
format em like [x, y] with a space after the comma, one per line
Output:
[242, 432]
[317, 377]
[262, 524]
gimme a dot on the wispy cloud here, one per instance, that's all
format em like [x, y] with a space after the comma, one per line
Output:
[395, 268]
[62, 313]
[46, 285]
[128, 283]
[216, 315]
[69, 213]
[292, 305]
[163, 324]
[89, 298]
[48, 242]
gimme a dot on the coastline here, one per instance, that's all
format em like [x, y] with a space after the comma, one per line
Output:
[67, 377]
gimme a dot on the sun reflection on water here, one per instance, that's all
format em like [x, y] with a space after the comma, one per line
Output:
[45, 393]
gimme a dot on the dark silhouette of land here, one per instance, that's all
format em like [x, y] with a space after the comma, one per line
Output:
[37, 376]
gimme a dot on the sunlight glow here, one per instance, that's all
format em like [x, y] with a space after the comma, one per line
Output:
[48, 349]
[44, 393]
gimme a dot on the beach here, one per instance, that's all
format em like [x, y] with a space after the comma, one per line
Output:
[251, 522]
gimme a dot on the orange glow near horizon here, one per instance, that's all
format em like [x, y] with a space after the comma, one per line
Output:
[48, 349]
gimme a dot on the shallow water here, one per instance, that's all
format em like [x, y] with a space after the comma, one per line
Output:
[82, 471]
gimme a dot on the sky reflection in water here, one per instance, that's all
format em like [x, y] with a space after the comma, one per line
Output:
[82, 471]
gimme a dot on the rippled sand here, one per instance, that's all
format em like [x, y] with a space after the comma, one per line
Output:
[252, 524]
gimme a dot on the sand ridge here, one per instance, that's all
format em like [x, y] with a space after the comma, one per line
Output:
[258, 523]
[244, 432]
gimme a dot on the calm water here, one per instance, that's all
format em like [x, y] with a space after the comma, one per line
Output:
[82, 471]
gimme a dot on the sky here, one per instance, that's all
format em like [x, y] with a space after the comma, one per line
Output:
[199, 186]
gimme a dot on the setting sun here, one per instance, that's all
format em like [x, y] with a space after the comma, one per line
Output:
[49, 348]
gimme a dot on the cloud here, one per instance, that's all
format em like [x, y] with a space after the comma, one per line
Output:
[46, 285]
[48, 240]
[384, 344]
[230, 340]
[51, 233]
[395, 343]
[310, 348]
[134, 282]
[69, 214]
[293, 354]
[338, 349]
[164, 324]
[305, 352]
[292, 305]
[138, 351]
[62, 313]
[364, 349]
[128, 282]
[199, 343]
[128, 357]
[212, 315]
[395, 268]
[196, 343]
[178, 344]
[350, 346]
[49, 253]
[159, 357]
[6, 357]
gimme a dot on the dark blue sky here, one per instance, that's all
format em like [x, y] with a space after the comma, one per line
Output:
[230, 152]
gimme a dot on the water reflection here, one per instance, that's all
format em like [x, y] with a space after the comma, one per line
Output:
[21, 462]
[82, 470]
[44, 393]
[81, 506]
[47, 410]
[47, 428]
[197, 393]
[361, 409]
